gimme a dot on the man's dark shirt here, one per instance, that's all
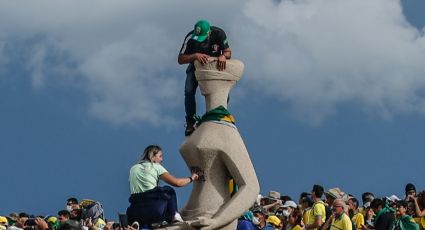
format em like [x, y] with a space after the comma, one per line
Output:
[385, 221]
[213, 46]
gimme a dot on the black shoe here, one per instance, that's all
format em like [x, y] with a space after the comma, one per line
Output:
[189, 129]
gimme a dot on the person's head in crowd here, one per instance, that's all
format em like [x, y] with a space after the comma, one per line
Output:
[367, 197]
[377, 204]
[288, 207]
[71, 203]
[331, 195]
[274, 221]
[99, 223]
[401, 208]
[272, 201]
[68, 226]
[12, 218]
[3, 223]
[306, 203]
[338, 207]
[22, 218]
[64, 215]
[392, 201]
[302, 196]
[52, 221]
[295, 218]
[285, 198]
[116, 226]
[76, 214]
[272, 197]
[410, 190]
[317, 192]
[421, 200]
[353, 206]
[368, 214]
[260, 217]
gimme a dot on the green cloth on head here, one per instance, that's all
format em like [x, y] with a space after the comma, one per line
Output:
[218, 114]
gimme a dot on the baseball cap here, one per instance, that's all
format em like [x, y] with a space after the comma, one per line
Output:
[274, 220]
[201, 30]
[259, 209]
[289, 203]
[3, 220]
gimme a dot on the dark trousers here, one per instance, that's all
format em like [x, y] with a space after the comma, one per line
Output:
[190, 86]
[153, 206]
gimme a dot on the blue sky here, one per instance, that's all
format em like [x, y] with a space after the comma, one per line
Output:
[332, 93]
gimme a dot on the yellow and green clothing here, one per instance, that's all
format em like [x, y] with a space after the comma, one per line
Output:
[405, 222]
[318, 209]
[342, 223]
[218, 114]
[306, 215]
[297, 227]
[358, 220]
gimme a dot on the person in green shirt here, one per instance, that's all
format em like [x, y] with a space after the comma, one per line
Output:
[404, 221]
[339, 220]
[149, 202]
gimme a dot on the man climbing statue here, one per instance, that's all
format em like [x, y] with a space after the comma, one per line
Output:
[202, 42]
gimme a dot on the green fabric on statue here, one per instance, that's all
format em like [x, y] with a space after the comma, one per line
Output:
[218, 114]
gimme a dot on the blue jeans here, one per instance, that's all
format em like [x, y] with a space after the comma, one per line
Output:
[189, 93]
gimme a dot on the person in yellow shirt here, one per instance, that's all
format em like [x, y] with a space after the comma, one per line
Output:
[306, 205]
[353, 210]
[339, 219]
[318, 212]
[295, 220]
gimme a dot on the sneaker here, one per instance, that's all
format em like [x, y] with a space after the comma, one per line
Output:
[189, 129]
[178, 218]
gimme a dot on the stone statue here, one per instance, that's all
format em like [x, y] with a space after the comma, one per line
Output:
[218, 150]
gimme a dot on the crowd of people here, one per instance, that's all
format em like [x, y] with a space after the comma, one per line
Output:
[86, 214]
[318, 209]
[334, 209]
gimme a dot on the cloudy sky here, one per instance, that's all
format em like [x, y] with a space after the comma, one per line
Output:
[333, 93]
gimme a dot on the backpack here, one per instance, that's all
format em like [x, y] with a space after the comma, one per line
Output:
[91, 209]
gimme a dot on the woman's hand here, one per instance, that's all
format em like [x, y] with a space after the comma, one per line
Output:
[194, 176]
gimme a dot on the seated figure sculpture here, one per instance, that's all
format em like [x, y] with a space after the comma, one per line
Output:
[217, 149]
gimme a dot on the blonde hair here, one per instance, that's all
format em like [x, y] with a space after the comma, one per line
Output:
[149, 153]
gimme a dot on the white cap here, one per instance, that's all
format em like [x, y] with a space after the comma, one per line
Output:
[289, 203]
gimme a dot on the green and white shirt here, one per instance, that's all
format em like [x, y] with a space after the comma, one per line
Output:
[145, 176]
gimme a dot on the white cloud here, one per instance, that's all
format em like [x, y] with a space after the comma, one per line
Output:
[312, 54]
[319, 54]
